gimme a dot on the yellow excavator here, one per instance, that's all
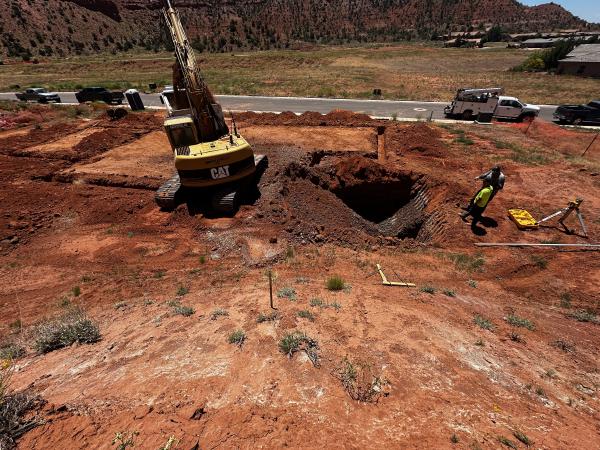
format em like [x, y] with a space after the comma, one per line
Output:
[209, 158]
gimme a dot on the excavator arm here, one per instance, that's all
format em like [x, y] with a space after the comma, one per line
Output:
[190, 89]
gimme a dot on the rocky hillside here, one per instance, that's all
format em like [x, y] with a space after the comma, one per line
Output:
[64, 27]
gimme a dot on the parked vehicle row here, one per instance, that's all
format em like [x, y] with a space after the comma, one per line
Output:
[90, 94]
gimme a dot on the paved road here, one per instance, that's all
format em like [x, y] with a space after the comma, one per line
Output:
[378, 108]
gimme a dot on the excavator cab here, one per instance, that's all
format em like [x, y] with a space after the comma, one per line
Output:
[181, 131]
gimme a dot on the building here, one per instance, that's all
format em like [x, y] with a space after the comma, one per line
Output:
[541, 42]
[583, 61]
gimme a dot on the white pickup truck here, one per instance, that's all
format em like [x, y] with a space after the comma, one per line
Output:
[470, 103]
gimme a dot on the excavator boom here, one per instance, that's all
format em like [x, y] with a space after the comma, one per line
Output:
[190, 89]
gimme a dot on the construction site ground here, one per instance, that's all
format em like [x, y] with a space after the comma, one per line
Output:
[342, 193]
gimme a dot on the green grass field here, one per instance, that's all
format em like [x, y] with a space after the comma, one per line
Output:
[407, 71]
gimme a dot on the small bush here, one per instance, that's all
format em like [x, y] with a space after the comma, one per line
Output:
[185, 311]
[507, 442]
[160, 274]
[454, 439]
[565, 346]
[202, 259]
[11, 352]
[584, 316]
[515, 337]
[468, 263]
[66, 330]
[335, 283]
[124, 440]
[540, 261]
[14, 408]
[523, 438]
[76, 291]
[472, 283]
[304, 314]
[360, 382]
[565, 300]
[238, 338]
[287, 292]
[449, 293]
[294, 342]
[182, 290]
[317, 302]
[428, 289]
[271, 317]
[219, 312]
[479, 343]
[484, 323]
[520, 322]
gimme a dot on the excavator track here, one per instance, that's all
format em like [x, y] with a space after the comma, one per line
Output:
[166, 195]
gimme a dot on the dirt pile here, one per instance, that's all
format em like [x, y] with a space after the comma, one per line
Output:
[420, 139]
[310, 118]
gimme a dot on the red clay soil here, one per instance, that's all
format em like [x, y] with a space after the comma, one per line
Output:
[425, 371]
[334, 118]
[416, 139]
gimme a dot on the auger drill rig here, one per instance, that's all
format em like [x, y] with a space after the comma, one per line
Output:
[208, 157]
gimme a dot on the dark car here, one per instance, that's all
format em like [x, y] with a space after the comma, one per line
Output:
[40, 95]
[99, 94]
[579, 114]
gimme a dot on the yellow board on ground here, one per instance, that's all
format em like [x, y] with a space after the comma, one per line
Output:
[523, 219]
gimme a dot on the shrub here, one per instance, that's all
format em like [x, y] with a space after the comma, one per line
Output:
[11, 351]
[271, 317]
[182, 290]
[295, 342]
[359, 381]
[335, 283]
[219, 312]
[66, 330]
[304, 314]
[520, 322]
[507, 442]
[76, 291]
[449, 293]
[428, 289]
[584, 316]
[540, 261]
[523, 438]
[484, 323]
[14, 407]
[317, 302]
[185, 311]
[287, 292]
[565, 346]
[565, 300]
[238, 338]
[124, 440]
[468, 263]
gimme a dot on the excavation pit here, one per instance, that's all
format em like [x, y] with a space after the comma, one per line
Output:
[358, 194]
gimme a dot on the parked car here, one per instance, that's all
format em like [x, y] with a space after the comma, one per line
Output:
[40, 95]
[99, 94]
[470, 103]
[579, 114]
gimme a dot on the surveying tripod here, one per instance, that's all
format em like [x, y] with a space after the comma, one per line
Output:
[565, 213]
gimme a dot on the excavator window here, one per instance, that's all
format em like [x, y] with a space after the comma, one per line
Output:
[182, 136]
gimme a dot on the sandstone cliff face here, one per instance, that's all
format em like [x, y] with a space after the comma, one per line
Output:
[65, 27]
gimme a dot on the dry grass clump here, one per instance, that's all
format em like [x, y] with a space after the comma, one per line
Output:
[13, 409]
[63, 331]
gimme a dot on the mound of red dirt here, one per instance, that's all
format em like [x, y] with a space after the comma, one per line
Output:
[419, 138]
[309, 118]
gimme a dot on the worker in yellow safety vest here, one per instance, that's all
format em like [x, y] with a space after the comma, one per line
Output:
[478, 204]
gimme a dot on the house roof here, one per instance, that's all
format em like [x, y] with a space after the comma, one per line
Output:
[584, 53]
